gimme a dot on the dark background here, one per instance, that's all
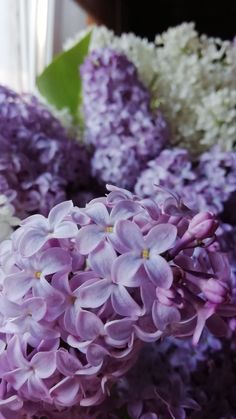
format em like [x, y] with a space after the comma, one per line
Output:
[147, 18]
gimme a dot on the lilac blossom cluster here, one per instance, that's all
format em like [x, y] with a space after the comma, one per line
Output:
[170, 379]
[84, 288]
[119, 122]
[39, 165]
[151, 389]
[205, 183]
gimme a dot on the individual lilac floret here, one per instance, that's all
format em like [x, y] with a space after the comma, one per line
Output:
[83, 289]
[119, 122]
[39, 165]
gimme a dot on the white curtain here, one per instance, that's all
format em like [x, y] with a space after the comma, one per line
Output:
[31, 31]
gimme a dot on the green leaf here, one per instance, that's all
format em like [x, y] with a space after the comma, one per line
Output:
[60, 83]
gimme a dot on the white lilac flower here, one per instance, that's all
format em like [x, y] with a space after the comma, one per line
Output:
[7, 219]
[191, 77]
[138, 50]
[196, 85]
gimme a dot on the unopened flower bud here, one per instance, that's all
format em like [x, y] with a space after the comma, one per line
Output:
[216, 291]
[203, 225]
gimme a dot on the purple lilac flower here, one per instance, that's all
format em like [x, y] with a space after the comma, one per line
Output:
[151, 389]
[207, 183]
[39, 165]
[204, 184]
[119, 122]
[84, 288]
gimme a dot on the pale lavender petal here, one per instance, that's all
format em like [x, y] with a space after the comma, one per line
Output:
[203, 314]
[98, 214]
[36, 221]
[18, 377]
[13, 403]
[161, 238]
[53, 298]
[89, 237]
[59, 212]
[102, 259]
[125, 268]
[36, 307]
[41, 332]
[148, 293]
[119, 329]
[44, 363]
[15, 355]
[8, 308]
[67, 364]
[65, 392]
[130, 235]
[37, 389]
[147, 336]
[89, 370]
[96, 354]
[96, 294]
[54, 260]
[88, 325]
[17, 285]
[32, 241]
[124, 210]
[159, 271]
[164, 315]
[69, 320]
[123, 303]
[66, 229]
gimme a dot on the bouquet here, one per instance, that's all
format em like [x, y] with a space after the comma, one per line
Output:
[124, 307]
[84, 288]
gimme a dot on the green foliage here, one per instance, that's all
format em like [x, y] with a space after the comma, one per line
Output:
[60, 83]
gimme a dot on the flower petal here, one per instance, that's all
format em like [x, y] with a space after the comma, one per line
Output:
[159, 271]
[32, 241]
[164, 315]
[54, 260]
[94, 294]
[119, 329]
[18, 377]
[102, 258]
[88, 325]
[95, 354]
[161, 238]
[17, 285]
[35, 306]
[124, 210]
[123, 303]
[67, 364]
[89, 237]
[125, 268]
[98, 213]
[59, 212]
[12, 403]
[37, 389]
[130, 235]
[66, 229]
[44, 363]
[66, 391]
